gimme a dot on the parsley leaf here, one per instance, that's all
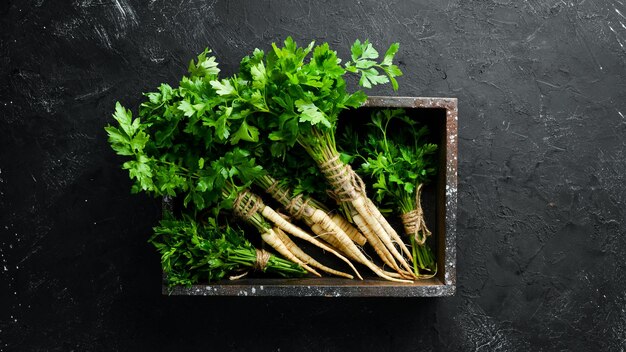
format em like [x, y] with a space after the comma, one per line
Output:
[223, 88]
[309, 112]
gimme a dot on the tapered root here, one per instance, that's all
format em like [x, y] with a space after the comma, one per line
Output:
[349, 190]
[358, 256]
[305, 257]
[328, 230]
[361, 206]
[290, 228]
[390, 230]
[375, 242]
[350, 230]
[271, 238]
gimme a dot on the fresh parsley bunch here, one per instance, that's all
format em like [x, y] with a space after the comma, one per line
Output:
[192, 145]
[193, 252]
[298, 94]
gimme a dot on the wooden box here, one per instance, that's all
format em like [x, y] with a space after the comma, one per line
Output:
[439, 202]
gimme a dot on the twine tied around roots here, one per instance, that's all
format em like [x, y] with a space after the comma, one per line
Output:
[246, 205]
[277, 193]
[262, 258]
[296, 206]
[345, 183]
[413, 221]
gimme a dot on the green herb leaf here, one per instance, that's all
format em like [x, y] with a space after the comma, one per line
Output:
[258, 75]
[246, 133]
[186, 108]
[223, 88]
[389, 55]
[396, 165]
[310, 113]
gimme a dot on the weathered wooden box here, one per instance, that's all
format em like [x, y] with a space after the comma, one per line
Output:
[440, 203]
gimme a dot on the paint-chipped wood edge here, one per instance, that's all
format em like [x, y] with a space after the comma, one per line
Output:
[441, 286]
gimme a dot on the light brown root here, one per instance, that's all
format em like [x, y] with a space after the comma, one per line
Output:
[350, 230]
[361, 206]
[331, 239]
[357, 255]
[375, 242]
[300, 208]
[326, 229]
[349, 189]
[290, 228]
[392, 274]
[305, 257]
[324, 225]
[390, 230]
[270, 237]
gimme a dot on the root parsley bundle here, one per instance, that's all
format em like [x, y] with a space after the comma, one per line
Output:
[232, 146]
[193, 252]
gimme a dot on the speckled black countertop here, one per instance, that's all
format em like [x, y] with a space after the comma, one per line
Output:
[541, 249]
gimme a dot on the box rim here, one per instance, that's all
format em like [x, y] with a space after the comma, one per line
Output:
[443, 289]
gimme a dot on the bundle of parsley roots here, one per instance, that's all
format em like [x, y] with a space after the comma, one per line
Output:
[258, 158]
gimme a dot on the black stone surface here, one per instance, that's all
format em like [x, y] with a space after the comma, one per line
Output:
[542, 165]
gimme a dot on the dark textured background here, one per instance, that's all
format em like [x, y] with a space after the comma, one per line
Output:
[542, 152]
